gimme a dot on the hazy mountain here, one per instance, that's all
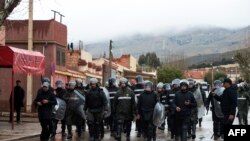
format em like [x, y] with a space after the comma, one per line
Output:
[192, 42]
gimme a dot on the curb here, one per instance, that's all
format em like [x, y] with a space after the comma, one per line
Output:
[22, 137]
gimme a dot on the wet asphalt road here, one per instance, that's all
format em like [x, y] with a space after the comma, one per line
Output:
[203, 133]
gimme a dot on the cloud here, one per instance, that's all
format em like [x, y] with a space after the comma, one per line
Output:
[91, 20]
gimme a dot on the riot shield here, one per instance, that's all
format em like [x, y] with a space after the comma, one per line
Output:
[59, 109]
[108, 106]
[217, 106]
[219, 91]
[76, 104]
[159, 114]
[199, 101]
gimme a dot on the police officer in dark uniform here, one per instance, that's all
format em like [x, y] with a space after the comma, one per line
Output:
[194, 112]
[124, 108]
[45, 100]
[112, 88]
[163, 97]
[146, 105]
[95, 106]
[80, 88]
[183, 102]
[46, 79]
[168, 91]
[171, 114]
[60, 92]
[243, 103]
[138, 89]
[217, 115]
[72, 117]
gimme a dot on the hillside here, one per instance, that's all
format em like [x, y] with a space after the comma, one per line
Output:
[209, 58]
[192, 42]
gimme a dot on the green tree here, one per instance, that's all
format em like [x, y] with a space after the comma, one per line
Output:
[150, 59]
[217, 76]
[167, 74]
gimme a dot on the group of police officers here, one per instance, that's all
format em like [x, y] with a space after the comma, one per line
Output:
[184, 101]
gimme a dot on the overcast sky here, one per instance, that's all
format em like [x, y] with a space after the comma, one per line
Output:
[94, 20]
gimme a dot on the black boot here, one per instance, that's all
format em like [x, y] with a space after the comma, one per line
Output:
[138, 134]
[193, 136]
[69, 136]
[69, 127]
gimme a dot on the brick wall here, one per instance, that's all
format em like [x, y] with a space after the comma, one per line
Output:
[43, 30]
[72, 59]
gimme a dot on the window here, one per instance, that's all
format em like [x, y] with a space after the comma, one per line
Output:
[60, 57]
[63, 58]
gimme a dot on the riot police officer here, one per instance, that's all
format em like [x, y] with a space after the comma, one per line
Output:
[60, 92]
[217, 115]
[124, 109]
[194, 111]
[243, 103]
[95, 106]
[163, 97]
[171, 114]
[138, 89]
[183, 102]
[80, 88]
[46, 79]
[72, 99]
[146, 105]
[45, 100]
[112, 88]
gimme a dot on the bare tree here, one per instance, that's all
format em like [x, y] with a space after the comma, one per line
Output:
[6, 7]
[243, 59]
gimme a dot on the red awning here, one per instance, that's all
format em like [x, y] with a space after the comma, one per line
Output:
[22, 61]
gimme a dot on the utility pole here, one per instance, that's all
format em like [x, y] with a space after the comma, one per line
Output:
[212, 76]
[30, 47]
[110, 58]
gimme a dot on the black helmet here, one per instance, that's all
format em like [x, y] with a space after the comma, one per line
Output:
[139, 79]
[148, 84]
[111, 81]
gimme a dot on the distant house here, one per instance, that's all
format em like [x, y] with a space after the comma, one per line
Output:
[197, 75]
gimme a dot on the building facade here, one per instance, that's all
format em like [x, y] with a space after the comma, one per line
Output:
[49, 38]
